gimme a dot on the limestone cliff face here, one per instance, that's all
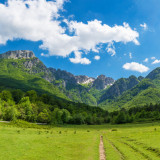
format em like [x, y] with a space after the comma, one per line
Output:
[102, 82]
[30, 62]
[19, 54]
[84, 79]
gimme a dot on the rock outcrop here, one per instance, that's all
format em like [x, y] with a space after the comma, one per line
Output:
[19, 54]
[102, 82]
[34, 66]
[84, 79]
[120, 86]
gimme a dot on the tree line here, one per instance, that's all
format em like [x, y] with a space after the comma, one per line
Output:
[45, 108]
[148, 112]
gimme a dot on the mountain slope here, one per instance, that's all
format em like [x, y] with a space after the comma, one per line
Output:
[21, 69]
[155, 74]
[145, 92]
[13, 74]
[18, 67]
[120, 86]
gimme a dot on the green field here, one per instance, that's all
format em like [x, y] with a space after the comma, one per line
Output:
[130, 142]
[140, 142]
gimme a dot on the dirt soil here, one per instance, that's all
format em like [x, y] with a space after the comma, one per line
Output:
[102, 155]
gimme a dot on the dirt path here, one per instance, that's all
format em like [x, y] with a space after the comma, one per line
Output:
[4, 121]
[102, 155]
[28, 122]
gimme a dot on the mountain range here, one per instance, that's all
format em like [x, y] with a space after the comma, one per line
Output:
[22, 69]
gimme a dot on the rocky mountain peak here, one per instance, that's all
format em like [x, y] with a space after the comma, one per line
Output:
[140, 78]
[84, 79]
[102, 82]
[34, 65]
[66, 76]
[19, 54]
[132, 77]
[120, 86]
[155, 74]
[102, 77]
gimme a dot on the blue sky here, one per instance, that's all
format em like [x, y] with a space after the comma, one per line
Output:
[73, 52]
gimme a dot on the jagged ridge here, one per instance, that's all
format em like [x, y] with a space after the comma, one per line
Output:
[101, 90]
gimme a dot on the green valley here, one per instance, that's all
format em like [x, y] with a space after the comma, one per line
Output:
[135, 141]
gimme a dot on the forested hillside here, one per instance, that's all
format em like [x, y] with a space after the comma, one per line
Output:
[29, 106]
[145, 92]
[22, 70]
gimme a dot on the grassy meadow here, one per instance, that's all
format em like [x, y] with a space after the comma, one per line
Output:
[129, 141]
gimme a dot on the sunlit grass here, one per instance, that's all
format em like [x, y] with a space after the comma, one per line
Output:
[70, 142]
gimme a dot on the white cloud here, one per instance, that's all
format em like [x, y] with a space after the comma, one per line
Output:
[38, 20]
[42, 54]
[153, 58]
[79, 59]
[111, 49]
[144, 26]
[134, 66]
[146, 60]
[97, 57]
[130, 55]
[156, 61]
